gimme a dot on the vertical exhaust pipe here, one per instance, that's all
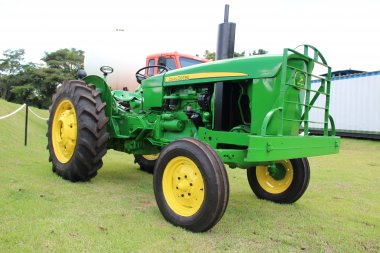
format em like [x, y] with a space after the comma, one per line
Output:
[226, 37]
[225, 49]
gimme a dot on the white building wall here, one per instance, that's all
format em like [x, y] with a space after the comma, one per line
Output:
[354, 104]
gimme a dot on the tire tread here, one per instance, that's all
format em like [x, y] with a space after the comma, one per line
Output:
[92, 134]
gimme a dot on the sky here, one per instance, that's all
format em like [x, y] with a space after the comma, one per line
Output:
[346, 32]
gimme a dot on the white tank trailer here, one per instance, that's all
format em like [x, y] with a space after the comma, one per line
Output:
[124, 51]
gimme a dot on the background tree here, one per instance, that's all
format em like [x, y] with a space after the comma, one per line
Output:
[10, 68]
[258, 52]
[61, 65]
[237, 54]
[37, 83]
[64, 60]
[211, 55]
[12, 61]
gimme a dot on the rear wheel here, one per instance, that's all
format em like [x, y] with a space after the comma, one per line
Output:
[147, 162]
[285, 182]
[77, 135]
[191, 185]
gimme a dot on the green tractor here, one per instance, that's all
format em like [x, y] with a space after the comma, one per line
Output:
[185, 125]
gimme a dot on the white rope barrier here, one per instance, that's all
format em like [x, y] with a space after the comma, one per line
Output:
[6, 116]
[35, 114]
[16, 111]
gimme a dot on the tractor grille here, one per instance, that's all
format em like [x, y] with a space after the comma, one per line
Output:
[314, 92]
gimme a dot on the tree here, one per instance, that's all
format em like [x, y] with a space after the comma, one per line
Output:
[10, 68]
[260, 51]
[12, 63]
[237, 54]
[65, 60]
[211, 55]
[61, 65]
[37, 83]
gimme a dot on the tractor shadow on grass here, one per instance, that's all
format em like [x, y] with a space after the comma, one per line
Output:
[243, 208]
[119, 172]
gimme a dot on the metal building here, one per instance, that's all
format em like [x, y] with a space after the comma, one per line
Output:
[354, 105]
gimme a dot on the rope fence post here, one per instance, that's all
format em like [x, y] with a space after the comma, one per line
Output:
[26, 122]
[27, 109]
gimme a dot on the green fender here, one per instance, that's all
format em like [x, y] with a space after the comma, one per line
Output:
[106, 95]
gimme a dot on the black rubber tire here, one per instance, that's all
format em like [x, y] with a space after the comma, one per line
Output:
[145, 164]
[216, 186]
[92, 136]
[298, 186]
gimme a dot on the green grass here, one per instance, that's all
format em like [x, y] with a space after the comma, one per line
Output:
[117, 212]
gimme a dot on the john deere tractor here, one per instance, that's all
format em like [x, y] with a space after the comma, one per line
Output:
[185, 125]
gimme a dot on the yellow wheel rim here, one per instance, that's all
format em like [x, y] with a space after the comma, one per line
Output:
[151, 157]
[183, 186]
[272, 185]
[64, 131]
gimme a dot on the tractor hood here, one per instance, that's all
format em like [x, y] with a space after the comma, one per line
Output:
[262, 66]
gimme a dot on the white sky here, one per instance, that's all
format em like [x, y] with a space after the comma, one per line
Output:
[346, 32]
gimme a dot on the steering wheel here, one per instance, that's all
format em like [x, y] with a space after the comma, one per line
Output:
[140, 76]
[106, 70]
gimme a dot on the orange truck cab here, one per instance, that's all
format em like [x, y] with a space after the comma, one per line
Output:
[172, 60]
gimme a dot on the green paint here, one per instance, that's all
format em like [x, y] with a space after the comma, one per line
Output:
[269, 99]
[277, 171]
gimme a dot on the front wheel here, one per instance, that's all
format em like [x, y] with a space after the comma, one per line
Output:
[285, 182]
[191, 185]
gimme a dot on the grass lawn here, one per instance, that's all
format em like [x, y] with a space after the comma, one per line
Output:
[117, 212]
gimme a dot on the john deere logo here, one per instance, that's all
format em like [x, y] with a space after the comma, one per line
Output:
[177, 78]
[299, 79]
